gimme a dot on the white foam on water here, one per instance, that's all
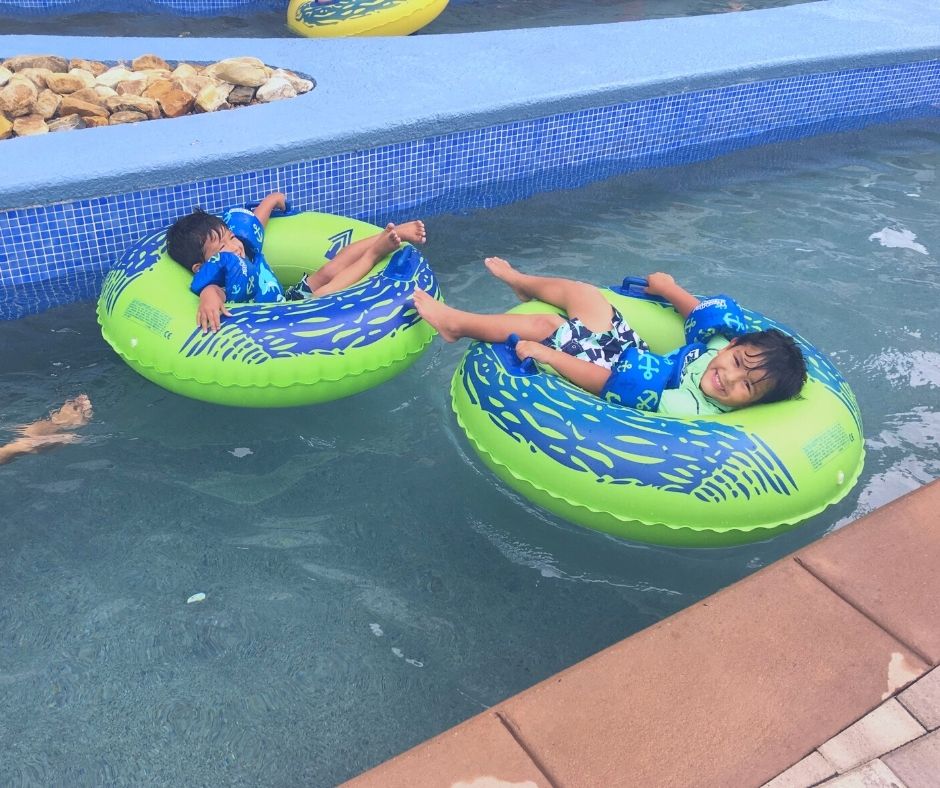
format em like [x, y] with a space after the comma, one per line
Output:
[898, 239]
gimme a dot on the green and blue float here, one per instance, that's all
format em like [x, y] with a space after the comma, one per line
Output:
[728, 479]
[270, 355]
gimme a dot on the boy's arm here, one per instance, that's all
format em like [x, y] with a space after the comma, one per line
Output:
[589, 376]
[274, 201]
[680, 298]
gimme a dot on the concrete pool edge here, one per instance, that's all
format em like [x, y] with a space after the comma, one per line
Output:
[733, 690]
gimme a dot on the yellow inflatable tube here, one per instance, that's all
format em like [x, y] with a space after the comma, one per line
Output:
[361, 17]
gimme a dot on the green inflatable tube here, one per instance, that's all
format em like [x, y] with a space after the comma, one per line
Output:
[718, 480]
[270, 355]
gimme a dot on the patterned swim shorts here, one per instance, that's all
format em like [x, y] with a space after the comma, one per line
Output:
[601, 348]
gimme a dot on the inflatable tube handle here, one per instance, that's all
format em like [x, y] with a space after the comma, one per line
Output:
[506, 351]
[404, 264]
[289, 209]
[635, 287]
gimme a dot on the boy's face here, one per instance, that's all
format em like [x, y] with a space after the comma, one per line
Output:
[730, 379]
[221, 241]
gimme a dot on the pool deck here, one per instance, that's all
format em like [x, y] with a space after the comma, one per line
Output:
[819, 669]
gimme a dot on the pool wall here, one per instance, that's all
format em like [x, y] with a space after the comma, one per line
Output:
[467, 121]
[179, 7]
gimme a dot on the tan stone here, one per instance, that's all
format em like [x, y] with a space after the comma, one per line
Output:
[299, 84]
[95, 67]
[38, 76]
[114, 75]
[52, 62]
[176, 103]
[95, 122]
[90, 95]
[147, 106]
[126, 116]
[885, 729]
[158, 88]
[30, 125]
[104, 91]
[241, 95]
[67, 123]
[47, 103]
[5, 75]
[145, 62]
[194, 84]
[18, 96]
[133, 87]
[184, 70]
[87, 78]
[213, 97]
[6, 127]
[275, 89]
[65, 83]
[247, 71]
[86, 109]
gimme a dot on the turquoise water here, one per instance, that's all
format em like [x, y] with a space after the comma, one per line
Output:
[368, 583]
[461, 16]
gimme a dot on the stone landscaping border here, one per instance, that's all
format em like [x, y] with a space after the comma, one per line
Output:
[47, 93]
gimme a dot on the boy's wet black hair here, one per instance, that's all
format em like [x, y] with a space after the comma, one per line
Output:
[187, 237]
[777, 355]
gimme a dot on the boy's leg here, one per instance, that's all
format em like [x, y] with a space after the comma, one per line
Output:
[577, 299]
[453, 324]
[412, 232]
[354, 269]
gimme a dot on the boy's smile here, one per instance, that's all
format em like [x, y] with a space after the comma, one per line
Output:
[222, 241]
[731, 378]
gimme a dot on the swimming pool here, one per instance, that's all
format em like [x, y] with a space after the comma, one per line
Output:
[368, 583]
[234, 19]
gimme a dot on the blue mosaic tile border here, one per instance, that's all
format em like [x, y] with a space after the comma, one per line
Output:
[181, 7]
[472, 169]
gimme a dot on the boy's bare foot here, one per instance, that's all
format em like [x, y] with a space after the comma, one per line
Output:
[74, 413]
[437, 313]
[412, 232]
[388, 241]
[503, 271]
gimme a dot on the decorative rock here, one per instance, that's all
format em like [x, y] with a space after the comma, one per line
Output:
[17, 97]
[43, 93]
[65, 83]
[38, 76]
[213, 97]
[176, 103]
[47, 103]
[30, 125]
[149, 61]
[140, 104]
[90, 95]
[299, 84]
[67, 123]
[132, 86]
[241, 95]
[86, 109]
[275, 89]
[247, 71]
[113, 76]
[126, 116]
[95, 67]
[52, 62]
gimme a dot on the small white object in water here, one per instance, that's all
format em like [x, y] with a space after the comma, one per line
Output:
[241, 451]
[376, 630]
[200, 597]
[898, 239]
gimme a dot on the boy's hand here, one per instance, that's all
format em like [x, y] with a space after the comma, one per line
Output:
[211, 308]
[659, 283]
[280, 200]
[526, 348]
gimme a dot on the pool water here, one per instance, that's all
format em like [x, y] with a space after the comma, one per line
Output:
[368, 583]
[461, 16]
